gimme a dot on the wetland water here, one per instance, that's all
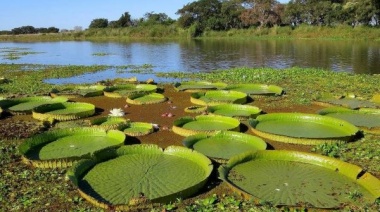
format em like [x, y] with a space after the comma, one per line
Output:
[358, 57]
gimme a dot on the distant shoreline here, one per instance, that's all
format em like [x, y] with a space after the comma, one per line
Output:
[173, 32]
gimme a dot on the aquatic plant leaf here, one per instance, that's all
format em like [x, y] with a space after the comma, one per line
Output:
[63, 111]
[298, 179]
[302, 128]
[79, 91]
[25, 105]
[138, 129]
[242, 112]
[198, 86]
[187, 126]
[367, 119]
[110, 123]
[67, 145]
[218, 97]
[141, 174]
[257, 89]
[125, 90]
[142, 98]
[352, 103]
[224, 144]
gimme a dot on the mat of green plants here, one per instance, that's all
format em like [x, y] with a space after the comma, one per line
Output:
[24, 188]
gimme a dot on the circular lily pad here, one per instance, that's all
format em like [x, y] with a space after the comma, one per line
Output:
[348, 102]
[126, 90]
[299, 179]
[198, 86]
[136, 175]
[257, 89]
[110, 123]
[138, 129]
[142, 99]
[187, 126]
[79, 91]
[367, 119]
[61, 148]
[25, 105]
[299, 128]
[211, 98]
[225, 144]
[64, 111]
[196, 109]
[241, 112]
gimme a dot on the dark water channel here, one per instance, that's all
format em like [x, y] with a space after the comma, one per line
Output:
[358, 57]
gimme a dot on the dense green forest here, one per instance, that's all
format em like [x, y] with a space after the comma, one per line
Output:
[223, 15]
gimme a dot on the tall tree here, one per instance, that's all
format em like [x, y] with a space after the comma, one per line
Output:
[99, 23]
[264, 13]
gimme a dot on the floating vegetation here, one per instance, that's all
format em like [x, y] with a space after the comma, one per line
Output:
[15, 53]
[25, 105]
[351, 102]
[211, 98]
[198, 86]
[11, 130]
[63, 111]
[119, 91]
[61, 148]
[110, 123]
[101, 54]
[118, 181]
[79, 91]
[299, 179]
[241, 112]
[367, 119]
[257, 89]
[300, 128]
[196, 109]
[187, 126]
[138, 129]
[143, 98]
[223, 145]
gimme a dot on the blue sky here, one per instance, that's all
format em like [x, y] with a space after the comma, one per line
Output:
[66, 14]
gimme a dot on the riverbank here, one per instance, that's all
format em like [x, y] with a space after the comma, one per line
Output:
[174, 32]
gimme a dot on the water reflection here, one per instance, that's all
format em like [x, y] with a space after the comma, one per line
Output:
[207, 55]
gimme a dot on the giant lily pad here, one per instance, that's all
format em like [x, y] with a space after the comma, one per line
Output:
[138, 129]
[198, 86]
[61, 148]
[351, 102]
[299, 179]
[300, 128]
[225, 144]
[64, 111]
[257, 89]
[142, 98]
[187, 126]
[79, 91]
[211, 98]
[126, 90]
[135, 175]
[25, 105]
[110, 123]
[242, 112]
[367, 119]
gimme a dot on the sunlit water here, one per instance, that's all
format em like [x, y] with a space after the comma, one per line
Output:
[199, 55]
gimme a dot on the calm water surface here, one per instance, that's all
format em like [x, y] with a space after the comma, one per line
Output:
[205, 55]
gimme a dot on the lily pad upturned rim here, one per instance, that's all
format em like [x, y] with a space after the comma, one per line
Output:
[198, 86]
[195, 109]
[257, 89]
[81, 110]
[155, 98]
[116, 91]
[179, 123]
[35, 142]
[330, 111]
[350, 129]
[231, 136]
[253, 111]
[351, 171]
[238, 97]
[29, 103]
[110, 122]
[79, 91]
[147, 128]
[80, 169]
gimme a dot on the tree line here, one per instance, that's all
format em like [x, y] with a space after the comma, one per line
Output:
[239, 14]
[29, 30]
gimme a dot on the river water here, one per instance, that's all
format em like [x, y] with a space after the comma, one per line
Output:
[359, 57]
